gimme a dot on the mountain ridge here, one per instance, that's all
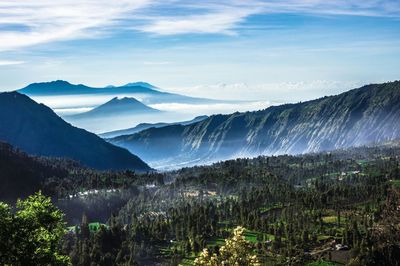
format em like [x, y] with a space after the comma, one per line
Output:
[62, 87]
[144, 126]
[141, 84]
[148, 93]
[367, 114]
[36, 129]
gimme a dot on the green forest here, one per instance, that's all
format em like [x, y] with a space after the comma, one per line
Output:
[331, 208]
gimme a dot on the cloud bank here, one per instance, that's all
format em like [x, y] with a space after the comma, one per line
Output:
[282, 92]
[10, 62]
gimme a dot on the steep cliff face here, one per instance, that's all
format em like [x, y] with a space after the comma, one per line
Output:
[360, 116]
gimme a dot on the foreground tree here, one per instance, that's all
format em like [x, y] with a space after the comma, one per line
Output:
[31, 235]
[236, 251]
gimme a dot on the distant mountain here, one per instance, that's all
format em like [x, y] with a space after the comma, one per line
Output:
[140, 84]
[360, 116]
[58, 87]
[61, 87]
[144, 126]
[117, 107]
[36, 129]
[146, 92]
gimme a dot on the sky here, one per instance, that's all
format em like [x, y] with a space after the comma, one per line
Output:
[277, 50]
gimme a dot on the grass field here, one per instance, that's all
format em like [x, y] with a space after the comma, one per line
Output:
[395, 183]
[322, 263]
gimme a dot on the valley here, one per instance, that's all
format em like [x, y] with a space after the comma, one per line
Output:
[200, 133]
[298, 184]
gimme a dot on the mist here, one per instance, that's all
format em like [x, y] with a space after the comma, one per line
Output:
[67, 105]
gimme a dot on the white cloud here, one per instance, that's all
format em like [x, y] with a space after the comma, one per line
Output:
[156, 63]
[221, 20]
[210, 109]
[25, 23]
[73, 101]
[71, 111]
[224, 17]
[282, 92]
[31, 22]
[336, 7]
[10, 62]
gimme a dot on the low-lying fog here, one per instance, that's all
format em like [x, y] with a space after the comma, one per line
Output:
[173, 112]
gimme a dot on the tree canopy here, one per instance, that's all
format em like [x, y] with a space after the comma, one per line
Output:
[236, 251]
[31, 235]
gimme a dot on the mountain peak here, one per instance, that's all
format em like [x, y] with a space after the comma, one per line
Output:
[124, 100]
[140, 84]
[55, 83]
[118, 106]
[52, 87]
[59, 81]
[124, 104]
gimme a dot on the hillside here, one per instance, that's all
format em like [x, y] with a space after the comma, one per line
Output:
[144, 126]
[22, 175]
[37, 130]
[360, 116]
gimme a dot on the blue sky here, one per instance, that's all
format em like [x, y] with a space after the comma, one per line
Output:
[286, 50]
